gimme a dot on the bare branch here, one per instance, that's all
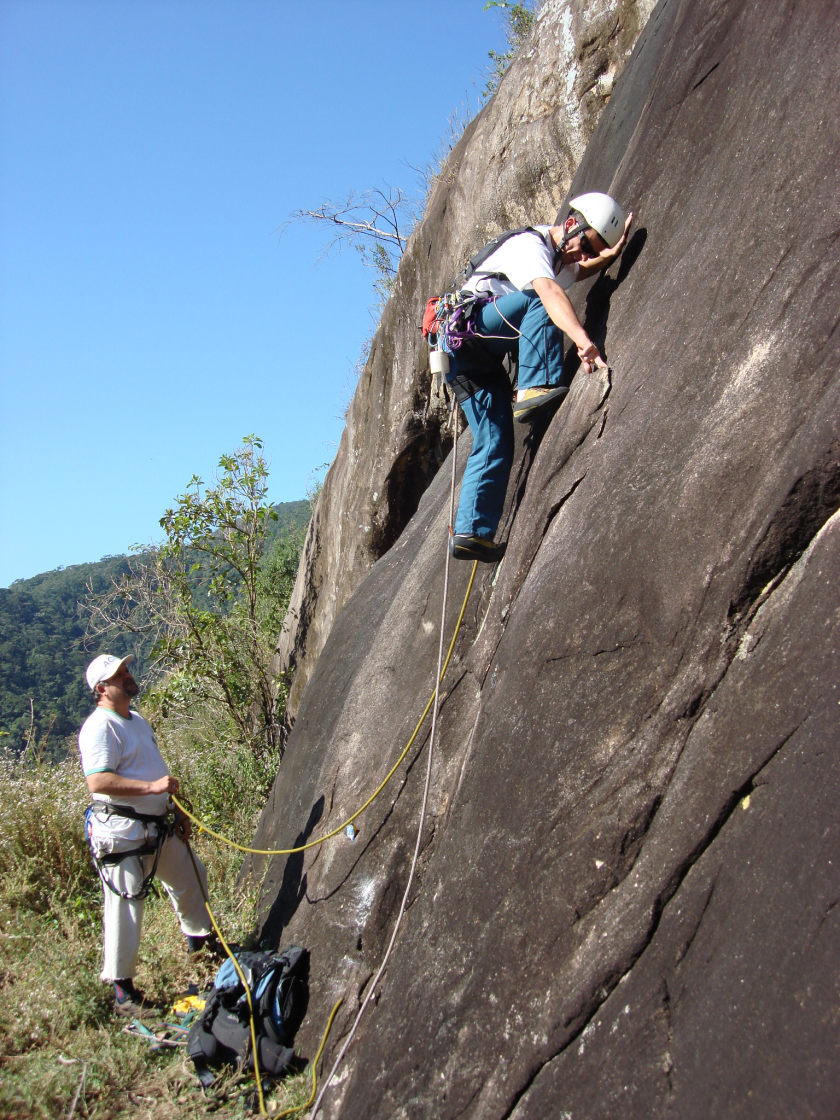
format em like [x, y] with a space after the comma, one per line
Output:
[383, 216]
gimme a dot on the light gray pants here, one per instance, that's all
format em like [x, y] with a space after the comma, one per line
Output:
[123, 919]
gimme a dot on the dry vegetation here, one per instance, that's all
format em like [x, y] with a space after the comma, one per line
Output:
[62, 1052]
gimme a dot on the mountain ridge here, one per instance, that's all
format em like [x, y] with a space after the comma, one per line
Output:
[42, 653]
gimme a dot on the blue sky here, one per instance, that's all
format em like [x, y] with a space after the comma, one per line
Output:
[150, 313]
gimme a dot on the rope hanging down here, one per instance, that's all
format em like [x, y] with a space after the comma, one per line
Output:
[388, 951]
[433, 703]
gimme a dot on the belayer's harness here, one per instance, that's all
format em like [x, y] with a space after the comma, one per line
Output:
[164, 826]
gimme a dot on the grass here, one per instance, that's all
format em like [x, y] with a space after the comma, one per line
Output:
[61, 1049]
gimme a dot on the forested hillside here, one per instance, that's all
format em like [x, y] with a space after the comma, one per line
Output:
[42, 651]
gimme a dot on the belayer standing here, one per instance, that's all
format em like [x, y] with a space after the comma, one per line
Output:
[131, 834]
[526, 273]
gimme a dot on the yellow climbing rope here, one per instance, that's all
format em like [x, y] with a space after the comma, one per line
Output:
[433, 701]
[303, 848]
[244, 982]
[376, 792]
[301, 1107]
[424, 805]
[257, 1074]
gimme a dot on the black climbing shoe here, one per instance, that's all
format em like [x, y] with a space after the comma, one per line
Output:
[207, 941]
[129, 1003]
[534, 401]
[464, 547]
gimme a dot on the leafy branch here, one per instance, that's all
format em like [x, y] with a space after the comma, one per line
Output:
[208, 602]
[518, 23]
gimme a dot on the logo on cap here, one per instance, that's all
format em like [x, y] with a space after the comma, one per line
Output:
[103, 667]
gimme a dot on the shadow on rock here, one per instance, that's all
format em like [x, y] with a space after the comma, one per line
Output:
[293, 886]
[529, 446]
[598, 304]
[599, 295]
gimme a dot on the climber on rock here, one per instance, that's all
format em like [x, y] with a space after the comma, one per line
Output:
[526, 273]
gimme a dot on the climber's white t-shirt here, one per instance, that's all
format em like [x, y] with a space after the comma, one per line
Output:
[522, 259]
[109, 743]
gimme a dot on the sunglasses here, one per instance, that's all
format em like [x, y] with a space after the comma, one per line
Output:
[586, 246]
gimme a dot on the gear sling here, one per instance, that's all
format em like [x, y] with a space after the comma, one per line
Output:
[164, 825]
[450, 320]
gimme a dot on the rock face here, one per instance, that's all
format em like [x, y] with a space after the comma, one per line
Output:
[513, 166]
[627, 895]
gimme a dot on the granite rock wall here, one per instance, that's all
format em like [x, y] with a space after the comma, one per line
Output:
[512, 167]
[627, 896]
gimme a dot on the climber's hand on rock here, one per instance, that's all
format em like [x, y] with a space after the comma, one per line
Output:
[628, 222]
[591, 357]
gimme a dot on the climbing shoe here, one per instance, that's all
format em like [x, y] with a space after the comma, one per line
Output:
[530, 402]
[129, 1003]
[464, 547]
[206, 941]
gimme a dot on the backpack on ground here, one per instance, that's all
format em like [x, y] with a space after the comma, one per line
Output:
[279, 987]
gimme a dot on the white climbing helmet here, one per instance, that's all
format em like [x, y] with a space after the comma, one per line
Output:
[602, 213]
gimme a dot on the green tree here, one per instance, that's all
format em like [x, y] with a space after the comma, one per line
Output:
[519, 21]
[42, 654]
[212, 599]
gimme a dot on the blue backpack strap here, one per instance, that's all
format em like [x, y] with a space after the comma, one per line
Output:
[226, 977]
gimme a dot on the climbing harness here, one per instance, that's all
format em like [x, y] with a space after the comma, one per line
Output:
[450, 319]
[164, 826]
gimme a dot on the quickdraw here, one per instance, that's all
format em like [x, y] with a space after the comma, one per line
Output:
[164, 826]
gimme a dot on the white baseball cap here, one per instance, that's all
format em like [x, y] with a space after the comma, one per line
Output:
[103, 667]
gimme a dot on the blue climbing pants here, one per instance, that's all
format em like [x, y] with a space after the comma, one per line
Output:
[516, 324]
[485, 480]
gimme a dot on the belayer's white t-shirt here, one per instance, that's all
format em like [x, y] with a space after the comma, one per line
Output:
[522, 259]
[109, 743]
